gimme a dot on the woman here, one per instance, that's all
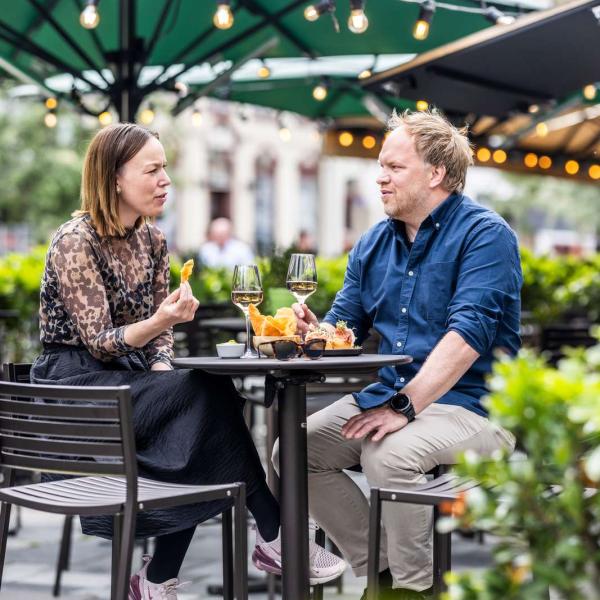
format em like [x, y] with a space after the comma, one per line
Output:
[107, 318]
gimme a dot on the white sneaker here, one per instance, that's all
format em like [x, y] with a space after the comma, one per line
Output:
[323, 565]
[142, 589]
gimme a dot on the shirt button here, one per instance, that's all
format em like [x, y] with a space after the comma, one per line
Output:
[401, 379]
[437, 225]
[403, 310]
[399, 344]
[410, 273]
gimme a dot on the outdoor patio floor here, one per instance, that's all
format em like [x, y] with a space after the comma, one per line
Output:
[31, 558]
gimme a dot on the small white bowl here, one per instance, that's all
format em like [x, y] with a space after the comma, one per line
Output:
[226, 350]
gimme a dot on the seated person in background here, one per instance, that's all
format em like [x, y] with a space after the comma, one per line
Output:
[221, 249]
[439, 280]
[106, 318]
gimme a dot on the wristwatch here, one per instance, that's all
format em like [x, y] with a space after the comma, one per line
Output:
[401, 403]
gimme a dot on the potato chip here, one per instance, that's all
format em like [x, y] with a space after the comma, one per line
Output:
[270, 327]
[186, 270]
[288, 319]
[256, 319]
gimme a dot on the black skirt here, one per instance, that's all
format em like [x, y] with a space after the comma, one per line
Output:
[188, 425]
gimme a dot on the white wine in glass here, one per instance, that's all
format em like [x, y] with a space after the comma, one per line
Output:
[302, 276]
[246, 289]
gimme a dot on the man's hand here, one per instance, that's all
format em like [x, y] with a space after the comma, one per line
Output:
[377, 421]
[305, 317]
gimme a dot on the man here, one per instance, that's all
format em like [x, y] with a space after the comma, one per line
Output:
[440, 281]
[221, 249]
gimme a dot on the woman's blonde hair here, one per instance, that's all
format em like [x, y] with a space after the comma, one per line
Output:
[108, 151]
[438, 143]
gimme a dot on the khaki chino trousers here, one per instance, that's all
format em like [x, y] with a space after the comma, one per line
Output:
[401, 459]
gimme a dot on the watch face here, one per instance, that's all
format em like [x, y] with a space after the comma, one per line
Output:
[400, 401]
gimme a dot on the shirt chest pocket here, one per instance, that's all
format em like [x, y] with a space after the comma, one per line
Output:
[439, 282]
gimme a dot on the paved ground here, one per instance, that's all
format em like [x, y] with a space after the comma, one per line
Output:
[31, 557]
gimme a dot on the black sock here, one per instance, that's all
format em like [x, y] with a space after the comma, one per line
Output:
[265, 510]
[169, 552]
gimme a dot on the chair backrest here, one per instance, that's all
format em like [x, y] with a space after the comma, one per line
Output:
[76, 430]
[16, 372]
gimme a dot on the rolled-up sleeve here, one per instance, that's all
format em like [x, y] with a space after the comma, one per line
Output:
[348, 305]
[489, 277]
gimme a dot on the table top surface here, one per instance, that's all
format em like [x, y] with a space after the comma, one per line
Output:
[328, 364]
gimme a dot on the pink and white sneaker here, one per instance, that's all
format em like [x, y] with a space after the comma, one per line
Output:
[142, 589]
[323, 565]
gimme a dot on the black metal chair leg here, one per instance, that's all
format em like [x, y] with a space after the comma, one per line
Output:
[63, 554]
[126, 552]
[4, 521]
[227, 545]
[116, 543]
[374, 543]
[241, 546]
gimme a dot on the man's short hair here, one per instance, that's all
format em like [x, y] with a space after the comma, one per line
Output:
[438, 143]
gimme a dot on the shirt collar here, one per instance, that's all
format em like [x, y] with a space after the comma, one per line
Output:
[442, 212]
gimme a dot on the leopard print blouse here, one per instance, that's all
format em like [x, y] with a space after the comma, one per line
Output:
[93, 287]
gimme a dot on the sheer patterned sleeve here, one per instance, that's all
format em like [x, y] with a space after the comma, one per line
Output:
[160, 349]
[83, 295]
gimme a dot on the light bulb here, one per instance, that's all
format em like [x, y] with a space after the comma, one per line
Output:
[50, 120]
[196, 118]
[483, 154]
[421, 30]
[285, 134]
[147, 116]
[369, 142]
[90, 17]
[422, 105]
[223, 18]
[311, 13]
[319, 92]
[594, 172]
[51, 103]
[572, 167]
[499, 156]
[589, 91]
[105, 118]
[346, 139]
[545, 162]
[263, 71]
[541, 129]
[365, 73]
[530, 160]
[357, 21]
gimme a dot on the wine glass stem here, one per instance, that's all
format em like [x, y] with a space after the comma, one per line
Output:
[248, 338]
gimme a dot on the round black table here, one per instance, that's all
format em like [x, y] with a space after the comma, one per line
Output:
[292, 376]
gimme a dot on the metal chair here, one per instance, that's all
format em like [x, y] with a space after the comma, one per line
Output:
[88, 432]
[444, 488]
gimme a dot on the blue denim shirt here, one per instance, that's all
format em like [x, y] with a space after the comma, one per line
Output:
[462, 273]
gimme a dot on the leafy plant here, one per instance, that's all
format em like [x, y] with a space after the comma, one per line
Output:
[544, 505]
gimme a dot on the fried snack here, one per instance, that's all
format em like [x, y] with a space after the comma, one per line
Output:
[256, 319]
[341, 338]
[282, 324]
[186, 270]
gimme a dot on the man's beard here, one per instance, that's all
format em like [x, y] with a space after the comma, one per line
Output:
[408, 203]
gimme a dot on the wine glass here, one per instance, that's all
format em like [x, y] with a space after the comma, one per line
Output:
[302, 276]
[246, 289]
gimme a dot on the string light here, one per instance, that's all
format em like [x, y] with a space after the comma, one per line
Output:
[422, 105]
[147, 115]
[541, 129]
[594, 172]
[223, 17]
[534, 108]
[497, 17]
[589, 92]
[345, 139]
[285, 134]
[369, 142]
[530, 160]
[483, 154]
[365, 73]
[499, 156]
[357, 21]
[196, 118]
[572, 167]
[263, 71]
[320, 91]
[105, 118]
[545, 162]
[90, 16]
[51, 103]
[422, 24]
[50, 119]
[314, 11]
